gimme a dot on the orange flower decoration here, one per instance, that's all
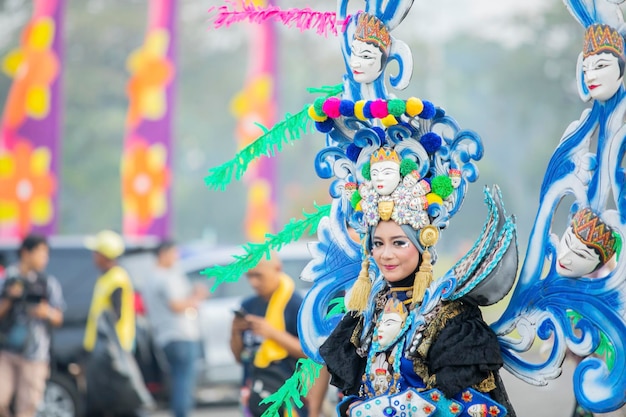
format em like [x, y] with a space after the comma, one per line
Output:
[34, 67]
[151, 73]
[145, 177]
[26, 186]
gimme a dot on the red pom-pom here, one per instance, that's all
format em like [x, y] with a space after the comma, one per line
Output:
[331, 107]
[379, 109]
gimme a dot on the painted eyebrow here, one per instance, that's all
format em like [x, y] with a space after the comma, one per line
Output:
[392, 237]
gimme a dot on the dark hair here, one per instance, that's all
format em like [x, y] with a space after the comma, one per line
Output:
[165, 244]
[31, 242]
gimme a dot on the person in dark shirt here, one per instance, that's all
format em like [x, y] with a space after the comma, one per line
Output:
[264, 336]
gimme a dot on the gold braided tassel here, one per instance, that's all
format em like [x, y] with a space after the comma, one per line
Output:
[361, 289]
[429, 235]
[423, 278]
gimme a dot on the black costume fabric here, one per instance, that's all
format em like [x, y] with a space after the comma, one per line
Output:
[463, 354]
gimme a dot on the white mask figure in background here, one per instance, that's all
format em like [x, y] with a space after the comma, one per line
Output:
[587, 245]
[603, 61]
[369, 49]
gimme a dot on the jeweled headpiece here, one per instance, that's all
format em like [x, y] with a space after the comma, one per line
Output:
[603, 38]
[370, 29]
[396, 306]
[384, 154]
[593, 232]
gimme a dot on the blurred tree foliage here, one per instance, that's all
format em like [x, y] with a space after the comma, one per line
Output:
[519, 99]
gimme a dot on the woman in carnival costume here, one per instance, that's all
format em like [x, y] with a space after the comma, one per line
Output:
[405, 343]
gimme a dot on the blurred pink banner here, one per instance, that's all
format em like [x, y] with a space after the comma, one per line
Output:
[147, 156]
[30, 135]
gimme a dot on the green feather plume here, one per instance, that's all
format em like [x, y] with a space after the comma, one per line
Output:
[254, 252]
[290, 394]
[272, 140]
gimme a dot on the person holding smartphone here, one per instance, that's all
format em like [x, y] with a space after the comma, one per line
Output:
[264, 337]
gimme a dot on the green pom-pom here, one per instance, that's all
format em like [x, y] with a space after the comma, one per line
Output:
[355, 199]
[396, 107]
[318, 104]
[365, 171]
[442, 186]
[407, 166]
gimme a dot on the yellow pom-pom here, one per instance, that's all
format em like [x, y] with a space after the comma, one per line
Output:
[358, 109]
[313, 115]
[389, 121]
[414, 106]
[433, 199]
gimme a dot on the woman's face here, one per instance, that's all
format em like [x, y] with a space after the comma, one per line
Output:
[385, 176]
[389, 327]
[365, 62]
[574, 258]
[602, 75]
[393, 252]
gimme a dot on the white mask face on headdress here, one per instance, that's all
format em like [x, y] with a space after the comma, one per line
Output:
[389, 327]
[385, 176]
[574, 258]
[601, 73]
[365, 62]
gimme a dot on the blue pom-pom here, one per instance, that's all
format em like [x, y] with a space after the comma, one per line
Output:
[353, 152]
[367, 110]
[429, 110]
[346, 108]
[431, 142]
[325, 126]
[380, 132]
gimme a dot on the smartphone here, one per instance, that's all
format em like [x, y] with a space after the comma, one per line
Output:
[240, 313]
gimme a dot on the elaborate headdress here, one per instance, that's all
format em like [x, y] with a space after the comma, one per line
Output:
[370, 29]
[593, 232]
[601, 38]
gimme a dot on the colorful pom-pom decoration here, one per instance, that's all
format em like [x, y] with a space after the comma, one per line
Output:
[358, 110]
[431, 142]
[396, 107]
[318, 105]
[367, 110]
[414, 106]
[355, 200]
[379, 109]
[365, 171]
[353, 152]
[407, 166]
[346, 108]
[331, 107]
[325, 126]
[388, 121]
[442, 186]
[429, 110]
[314, 116]
[433, 199]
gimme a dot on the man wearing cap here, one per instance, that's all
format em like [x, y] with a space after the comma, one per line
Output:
[113, 290]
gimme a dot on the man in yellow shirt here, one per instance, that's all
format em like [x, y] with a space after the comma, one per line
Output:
[108, 392]
[113, 290]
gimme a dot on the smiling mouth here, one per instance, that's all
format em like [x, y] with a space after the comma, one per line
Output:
[563, 266]
[593, 86]
[390, 267]
[355, 72]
